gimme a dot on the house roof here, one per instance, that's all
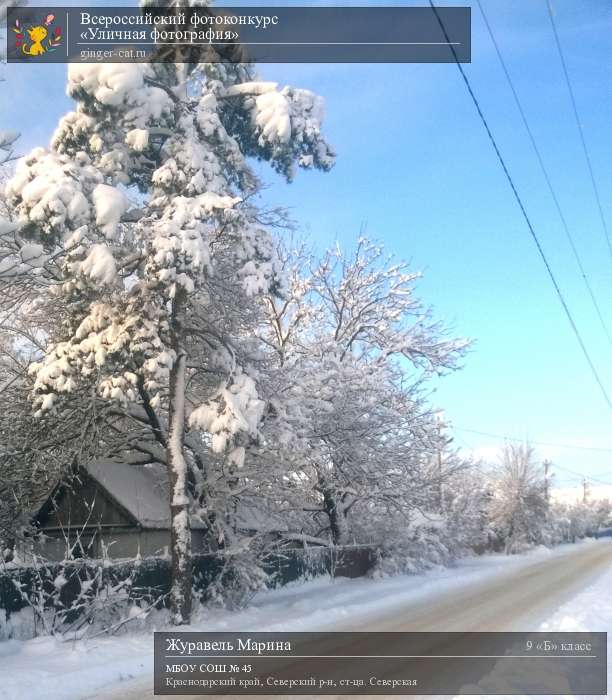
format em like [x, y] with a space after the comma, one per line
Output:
[251, 517]
[143, 493]
[143, 490]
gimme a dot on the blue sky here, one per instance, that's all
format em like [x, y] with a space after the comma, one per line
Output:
[415, 169]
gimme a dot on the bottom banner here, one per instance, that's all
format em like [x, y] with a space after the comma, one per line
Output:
[380, 663]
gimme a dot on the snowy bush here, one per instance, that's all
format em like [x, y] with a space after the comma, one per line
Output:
[77, 599]
[241, 576]
[412, 549]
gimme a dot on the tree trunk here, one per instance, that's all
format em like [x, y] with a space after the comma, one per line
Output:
[510, 538]
[335, 513]
[180, 541]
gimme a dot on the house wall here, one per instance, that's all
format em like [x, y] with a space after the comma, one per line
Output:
[85, 503]
[125, 545]
[98, 525]
[112, 544]
[51, 547]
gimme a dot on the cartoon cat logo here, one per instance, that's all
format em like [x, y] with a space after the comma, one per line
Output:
[32, 40]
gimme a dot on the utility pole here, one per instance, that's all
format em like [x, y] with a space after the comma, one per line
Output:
[442, 444]
[547, 464]
[585, 489]
[440, 498]
[439, 451]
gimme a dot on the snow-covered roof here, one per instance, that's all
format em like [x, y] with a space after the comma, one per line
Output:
[143, 490]
[250, 517]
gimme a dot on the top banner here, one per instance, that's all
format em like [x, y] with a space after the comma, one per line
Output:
[239, 35]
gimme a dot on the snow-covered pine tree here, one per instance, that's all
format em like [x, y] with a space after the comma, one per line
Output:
[144, 203]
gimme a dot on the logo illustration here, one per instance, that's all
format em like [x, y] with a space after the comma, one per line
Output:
[38, 39]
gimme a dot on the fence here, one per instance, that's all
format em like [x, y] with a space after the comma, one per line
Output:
[605, 532]
[62, 585]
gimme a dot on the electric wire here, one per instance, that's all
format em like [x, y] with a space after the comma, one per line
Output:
[521, 206]
[508, 438]
[585, 149]
[545, 173]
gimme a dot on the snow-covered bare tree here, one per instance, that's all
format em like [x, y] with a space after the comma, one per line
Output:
[519, 507]
[468, 494]
[144, 205]
[603, 513]
[350, 346]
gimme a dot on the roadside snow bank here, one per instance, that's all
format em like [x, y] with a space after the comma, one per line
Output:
[76, 670]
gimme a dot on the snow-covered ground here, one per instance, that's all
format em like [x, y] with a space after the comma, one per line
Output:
[78, 670]
[589, 611]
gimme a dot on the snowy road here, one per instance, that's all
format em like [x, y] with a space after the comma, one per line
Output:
[516, 603]
[520, 600]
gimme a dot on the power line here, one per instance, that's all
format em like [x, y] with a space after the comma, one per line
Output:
[606, 474]
[533, 442]
[519, 201]
[536, 442]
[545, 173]
[548, 444]
[579, 125]
[582, 476]
[466, 443]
